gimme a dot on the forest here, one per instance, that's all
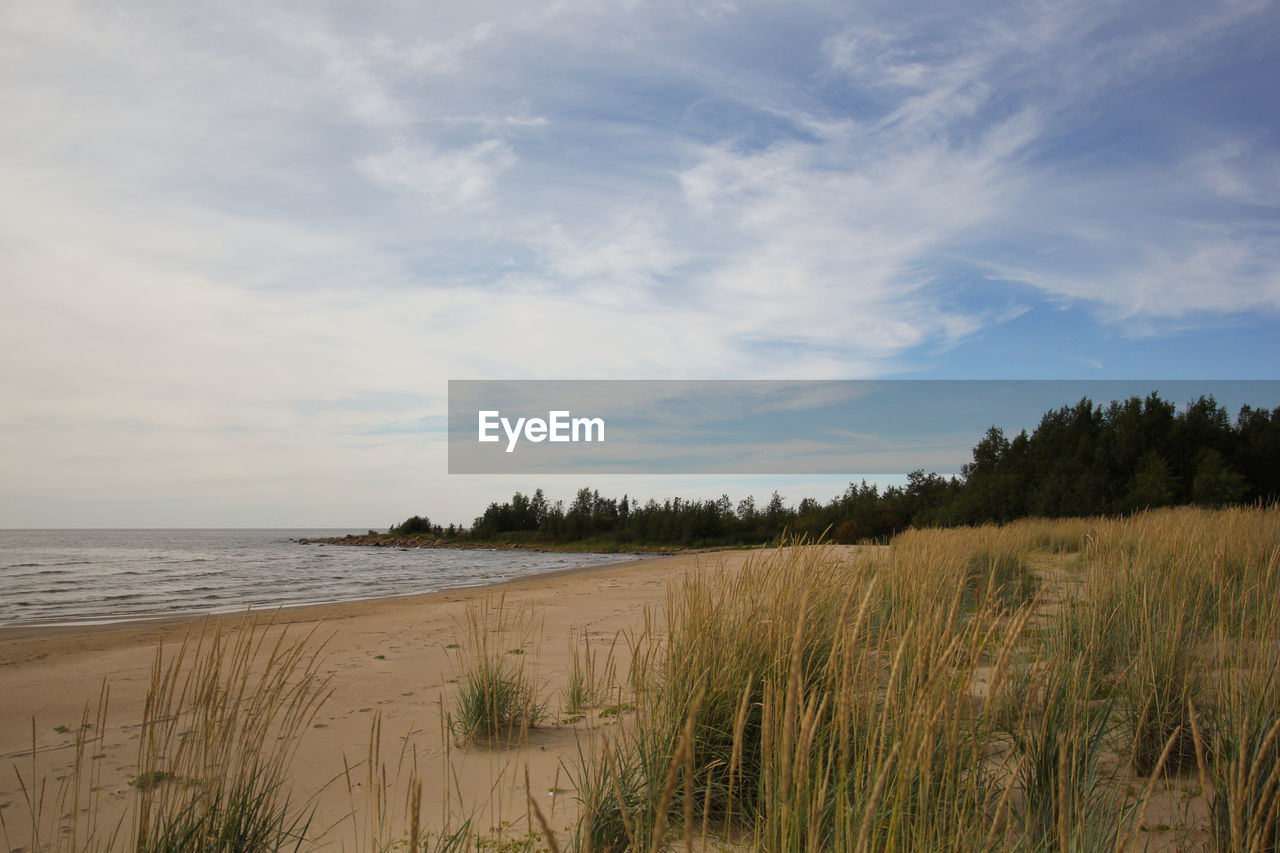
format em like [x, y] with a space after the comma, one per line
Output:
[1084, 459]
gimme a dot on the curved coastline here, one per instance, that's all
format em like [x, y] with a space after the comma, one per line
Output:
[412, 541]
[153, 576]
[132, 629]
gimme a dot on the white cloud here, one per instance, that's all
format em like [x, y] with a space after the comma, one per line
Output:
[461, 178]
[625, 254]
[218, 224]
[1214, 274]
[1149, 244]
[839, 241]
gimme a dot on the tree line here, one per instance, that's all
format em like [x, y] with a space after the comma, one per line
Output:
[1081, 460]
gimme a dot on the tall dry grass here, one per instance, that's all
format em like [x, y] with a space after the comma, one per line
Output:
[1042, 686]
[811, 702]
[953, 697]
[591, 681]
[221, 724]
[223, 716]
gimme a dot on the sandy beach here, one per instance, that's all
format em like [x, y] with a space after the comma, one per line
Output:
[393, 658]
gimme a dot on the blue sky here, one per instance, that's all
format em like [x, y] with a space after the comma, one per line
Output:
[244, 246]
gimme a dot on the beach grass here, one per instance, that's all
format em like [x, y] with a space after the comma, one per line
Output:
[591, 681]
[1084, 685]
[498, 699]
[948, 697]
[223, 716]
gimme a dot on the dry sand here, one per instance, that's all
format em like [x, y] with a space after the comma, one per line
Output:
[50, 675]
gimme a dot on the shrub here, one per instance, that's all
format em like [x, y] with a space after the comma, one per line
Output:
[496, 696]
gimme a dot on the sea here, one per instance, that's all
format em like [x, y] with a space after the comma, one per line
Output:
[88, 577]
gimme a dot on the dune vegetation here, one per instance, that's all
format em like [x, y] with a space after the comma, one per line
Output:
[1046, 685]
[1066, 685]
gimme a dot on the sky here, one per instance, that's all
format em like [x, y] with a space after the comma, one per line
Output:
[876, 427]
[244, 246]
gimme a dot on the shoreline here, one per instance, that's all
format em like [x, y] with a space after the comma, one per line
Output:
[132, 629]
[413, 541]
[393, 662]
[240, 593]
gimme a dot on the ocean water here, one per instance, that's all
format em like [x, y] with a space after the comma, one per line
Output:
[98, 576]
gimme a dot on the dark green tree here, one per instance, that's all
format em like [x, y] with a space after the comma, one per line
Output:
[1154, 484]
[1216, 483]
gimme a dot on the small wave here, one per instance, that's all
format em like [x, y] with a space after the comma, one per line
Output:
[153, 576]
